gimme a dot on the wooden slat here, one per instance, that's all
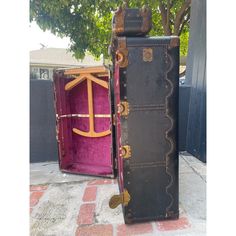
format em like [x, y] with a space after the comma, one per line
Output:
[81, 78]
[97, 81]
[102, 75]
[91, 134]
[88, 70]
[74, 82]
[85, 73]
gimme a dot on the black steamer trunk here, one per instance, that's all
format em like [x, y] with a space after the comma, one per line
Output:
[146, 81]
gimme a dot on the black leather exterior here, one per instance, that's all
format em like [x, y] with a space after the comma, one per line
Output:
[150, 175]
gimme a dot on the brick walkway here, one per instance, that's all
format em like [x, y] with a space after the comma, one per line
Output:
[62, 204]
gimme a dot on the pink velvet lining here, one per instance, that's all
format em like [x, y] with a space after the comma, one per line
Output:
[79, 154]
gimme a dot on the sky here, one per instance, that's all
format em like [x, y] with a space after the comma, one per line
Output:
[38, 36]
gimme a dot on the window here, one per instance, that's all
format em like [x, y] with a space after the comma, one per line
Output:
[41, 73]
[34, 73]
[44, 74]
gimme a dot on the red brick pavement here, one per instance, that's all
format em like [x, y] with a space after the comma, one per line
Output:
[135, 229]
[36, 192]
[86, 220]
[180, 224]
[95, 230]
[34, 198]
[100, 181]
[86, 214]
[90, 194]
[38, 188]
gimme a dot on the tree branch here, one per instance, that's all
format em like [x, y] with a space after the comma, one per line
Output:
[180, 16]
[172, 3]
[168, 16]
[166, 26]
[172, 18]
[184, 23]
[171, 21]
[163, 15]
[186, 13]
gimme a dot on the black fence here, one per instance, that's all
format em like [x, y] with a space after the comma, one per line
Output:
[43, 144]
[196, 79]
[184, 96]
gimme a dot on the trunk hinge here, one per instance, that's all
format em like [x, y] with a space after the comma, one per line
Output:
[114, 119]
[116, 165]
[122, 198]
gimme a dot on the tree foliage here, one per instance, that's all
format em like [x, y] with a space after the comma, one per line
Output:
[88, 22]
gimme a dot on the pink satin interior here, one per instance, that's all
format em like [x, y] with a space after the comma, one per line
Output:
[79, 154]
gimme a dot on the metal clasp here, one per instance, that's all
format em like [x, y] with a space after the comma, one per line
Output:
[122, 198]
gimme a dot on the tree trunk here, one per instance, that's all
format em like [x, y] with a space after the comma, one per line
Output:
[182, 17]
[165, 18]
[179, 19]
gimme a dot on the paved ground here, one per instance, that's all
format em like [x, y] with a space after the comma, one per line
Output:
[68, 205]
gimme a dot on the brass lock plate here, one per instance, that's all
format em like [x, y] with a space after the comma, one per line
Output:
[123, 108]
[126, 151]
[122, 198]
[147, 54]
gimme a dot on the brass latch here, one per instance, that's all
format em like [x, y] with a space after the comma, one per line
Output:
[122, 198]
[126, 151]
[123, 108]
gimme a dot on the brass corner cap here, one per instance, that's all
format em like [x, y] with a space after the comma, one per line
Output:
[174, 42]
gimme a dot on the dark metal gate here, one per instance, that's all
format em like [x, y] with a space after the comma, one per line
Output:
[43, 144]
[196, 78]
